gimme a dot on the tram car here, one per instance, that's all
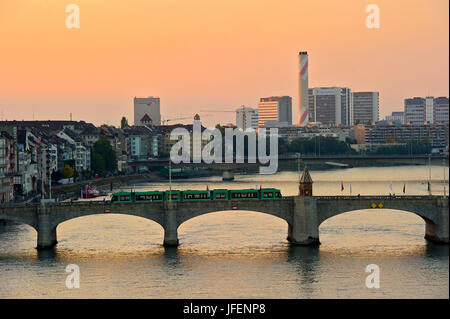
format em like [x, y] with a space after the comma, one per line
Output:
[196, 195]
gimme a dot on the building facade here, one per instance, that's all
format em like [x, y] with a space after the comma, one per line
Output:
[284, 112]
[365, 107]
[433, 110]
[330, 106]
[437, 134]
[150, 106]
[247, 117]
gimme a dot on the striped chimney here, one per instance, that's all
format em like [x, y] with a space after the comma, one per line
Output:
[303, 89]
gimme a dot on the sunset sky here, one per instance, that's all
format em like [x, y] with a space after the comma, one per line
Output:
[212, 54]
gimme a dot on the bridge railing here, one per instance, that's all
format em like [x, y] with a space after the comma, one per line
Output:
[380, 197]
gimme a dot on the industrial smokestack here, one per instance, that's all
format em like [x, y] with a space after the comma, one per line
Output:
[303, 89]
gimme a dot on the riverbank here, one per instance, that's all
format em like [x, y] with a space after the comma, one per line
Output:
[105, 184]
[117, 182]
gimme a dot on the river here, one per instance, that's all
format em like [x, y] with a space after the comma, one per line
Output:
[238, 254]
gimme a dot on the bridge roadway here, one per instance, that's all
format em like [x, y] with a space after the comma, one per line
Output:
[303, 214]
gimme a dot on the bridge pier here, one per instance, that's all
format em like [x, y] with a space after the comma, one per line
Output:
[170, 225]
[438, 231]
[46, 238]
[304, 229]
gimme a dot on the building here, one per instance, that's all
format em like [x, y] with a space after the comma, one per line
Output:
[246, 117]
[267, 111]
[140, 142]
[398, 117]
[330, 106]
[303, 104]
[7, 167]
[150, 106]
[365, 107]
[433, 110]
[284, 114]
[277, 109]
[359, 132]
[437, 134]
[441, 110]
[81, 153]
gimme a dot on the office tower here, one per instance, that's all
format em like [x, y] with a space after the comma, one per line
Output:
[284, 107]
[415, 110]
[302, 113]
[440, 110]
[419, 110]
[330, 106]
[365, 107]
[247, 117]
[149, 106]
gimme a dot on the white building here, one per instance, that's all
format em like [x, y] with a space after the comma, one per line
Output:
[246, 117]
[150, 106]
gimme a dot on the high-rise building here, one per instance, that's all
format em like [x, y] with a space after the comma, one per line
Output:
[284, 107]
[149, 106]
[247, 117]
[267, 111]
[365, 107]
[330, 106]
[303, 107]
[441, 110]
[419, 110]
[415, 110]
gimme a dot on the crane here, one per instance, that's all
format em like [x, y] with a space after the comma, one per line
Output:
[175, 119]
[244, 121]
[164, 122]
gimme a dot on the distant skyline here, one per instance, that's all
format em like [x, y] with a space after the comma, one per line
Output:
[216, 55]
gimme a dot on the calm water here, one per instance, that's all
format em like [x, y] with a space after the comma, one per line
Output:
[239, 254]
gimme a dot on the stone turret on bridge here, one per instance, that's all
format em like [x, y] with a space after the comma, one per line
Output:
[303, 230]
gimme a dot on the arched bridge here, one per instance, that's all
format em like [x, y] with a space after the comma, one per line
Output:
[303, 214]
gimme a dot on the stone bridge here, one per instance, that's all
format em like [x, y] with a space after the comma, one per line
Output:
[303, 214]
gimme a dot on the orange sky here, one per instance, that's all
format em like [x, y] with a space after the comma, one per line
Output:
[212, 54]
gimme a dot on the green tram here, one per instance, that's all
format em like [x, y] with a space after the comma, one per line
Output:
[196, 195]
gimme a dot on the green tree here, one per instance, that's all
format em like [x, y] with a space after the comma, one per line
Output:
[123, 122]
[67, 171]
[104, 149]
[98, 164]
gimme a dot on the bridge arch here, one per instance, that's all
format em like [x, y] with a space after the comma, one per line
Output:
[68, 217]
[109, 227]
[183, 217]
[324, 217]
[234, 225]
[25, 218]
